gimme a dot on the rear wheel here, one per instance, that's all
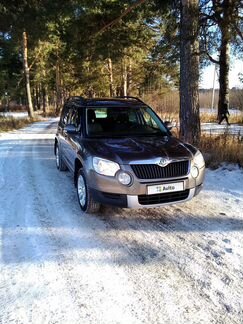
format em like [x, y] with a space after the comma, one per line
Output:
[61, 166]
[86, 201]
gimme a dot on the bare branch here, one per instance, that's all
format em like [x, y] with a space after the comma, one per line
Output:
[211, 58]
[115, 21]
[239, 32]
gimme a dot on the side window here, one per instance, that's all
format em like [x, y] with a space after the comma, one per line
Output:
[149, 120]
[74, 117]
[133, 118]
[101, 113]
[64, 116]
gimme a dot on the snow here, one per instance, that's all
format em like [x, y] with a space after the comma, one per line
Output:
[177, 264]
[214, 111]
[10, 114]
[34, 131]
[215, 129]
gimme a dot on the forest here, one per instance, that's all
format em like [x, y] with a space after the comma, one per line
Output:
[50, 50]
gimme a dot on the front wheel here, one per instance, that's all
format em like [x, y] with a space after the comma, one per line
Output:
[59, 160]
[86, 201]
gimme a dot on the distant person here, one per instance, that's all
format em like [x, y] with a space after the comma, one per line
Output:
[224, 115]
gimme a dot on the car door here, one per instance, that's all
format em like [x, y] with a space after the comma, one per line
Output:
[72, 139]
[61, 130]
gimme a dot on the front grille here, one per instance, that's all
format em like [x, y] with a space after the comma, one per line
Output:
[169, 197]
[154, 171]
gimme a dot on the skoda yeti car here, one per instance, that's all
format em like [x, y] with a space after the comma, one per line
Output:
[122, 154]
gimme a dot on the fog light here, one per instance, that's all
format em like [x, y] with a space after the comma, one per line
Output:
[194, 172]
[124, 178]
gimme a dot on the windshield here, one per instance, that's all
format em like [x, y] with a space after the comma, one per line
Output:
[123, 121]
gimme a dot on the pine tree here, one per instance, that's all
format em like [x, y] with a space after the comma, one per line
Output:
[189, 72]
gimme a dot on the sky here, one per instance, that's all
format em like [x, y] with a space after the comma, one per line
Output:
[208, 76]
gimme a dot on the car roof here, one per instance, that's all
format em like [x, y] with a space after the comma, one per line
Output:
[105, 102]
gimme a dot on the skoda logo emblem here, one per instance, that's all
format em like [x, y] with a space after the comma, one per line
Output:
[163, 162]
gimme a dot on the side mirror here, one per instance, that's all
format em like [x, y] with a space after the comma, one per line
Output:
[70, 129]
[168, 125]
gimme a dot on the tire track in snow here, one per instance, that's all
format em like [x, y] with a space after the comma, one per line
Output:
[155, 239]
[92, 295]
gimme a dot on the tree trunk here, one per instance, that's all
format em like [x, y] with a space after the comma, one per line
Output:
[27, 75]
[129, 77]
[124, 79]
[38, 98]
[111, 80]
[58, 87]
[45, 100]
[118, 91]
[224, 78]
[91, 92]
[189, 72]
[224, 58]
[34, 99]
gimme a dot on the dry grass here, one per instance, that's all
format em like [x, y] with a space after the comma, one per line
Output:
[51, 113]
[13, 107]
[8, 124]
[208, 118]
[218, 149]
[212, 118]
[204, 117]
[165, 102]
[235, 98]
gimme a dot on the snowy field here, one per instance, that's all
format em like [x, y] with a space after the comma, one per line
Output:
[216, 129]
[232, 111]
[178, 264]
[19, 115]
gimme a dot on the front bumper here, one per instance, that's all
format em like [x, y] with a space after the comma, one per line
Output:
[137, 201]
[108, 191]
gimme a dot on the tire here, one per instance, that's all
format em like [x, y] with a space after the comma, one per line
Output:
[87, 203]
[61, 166]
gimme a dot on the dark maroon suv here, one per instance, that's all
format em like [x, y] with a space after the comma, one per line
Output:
[122, 154]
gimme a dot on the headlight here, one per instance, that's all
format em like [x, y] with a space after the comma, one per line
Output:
[194, 171]
[105, 167]
[124, 178]
[198, 160]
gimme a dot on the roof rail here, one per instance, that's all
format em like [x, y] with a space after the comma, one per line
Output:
[131, 97]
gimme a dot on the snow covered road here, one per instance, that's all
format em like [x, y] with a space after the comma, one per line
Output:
[177, 264]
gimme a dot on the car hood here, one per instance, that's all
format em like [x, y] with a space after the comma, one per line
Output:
[126, 150]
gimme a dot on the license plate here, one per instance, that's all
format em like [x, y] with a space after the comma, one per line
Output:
[165, 187]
